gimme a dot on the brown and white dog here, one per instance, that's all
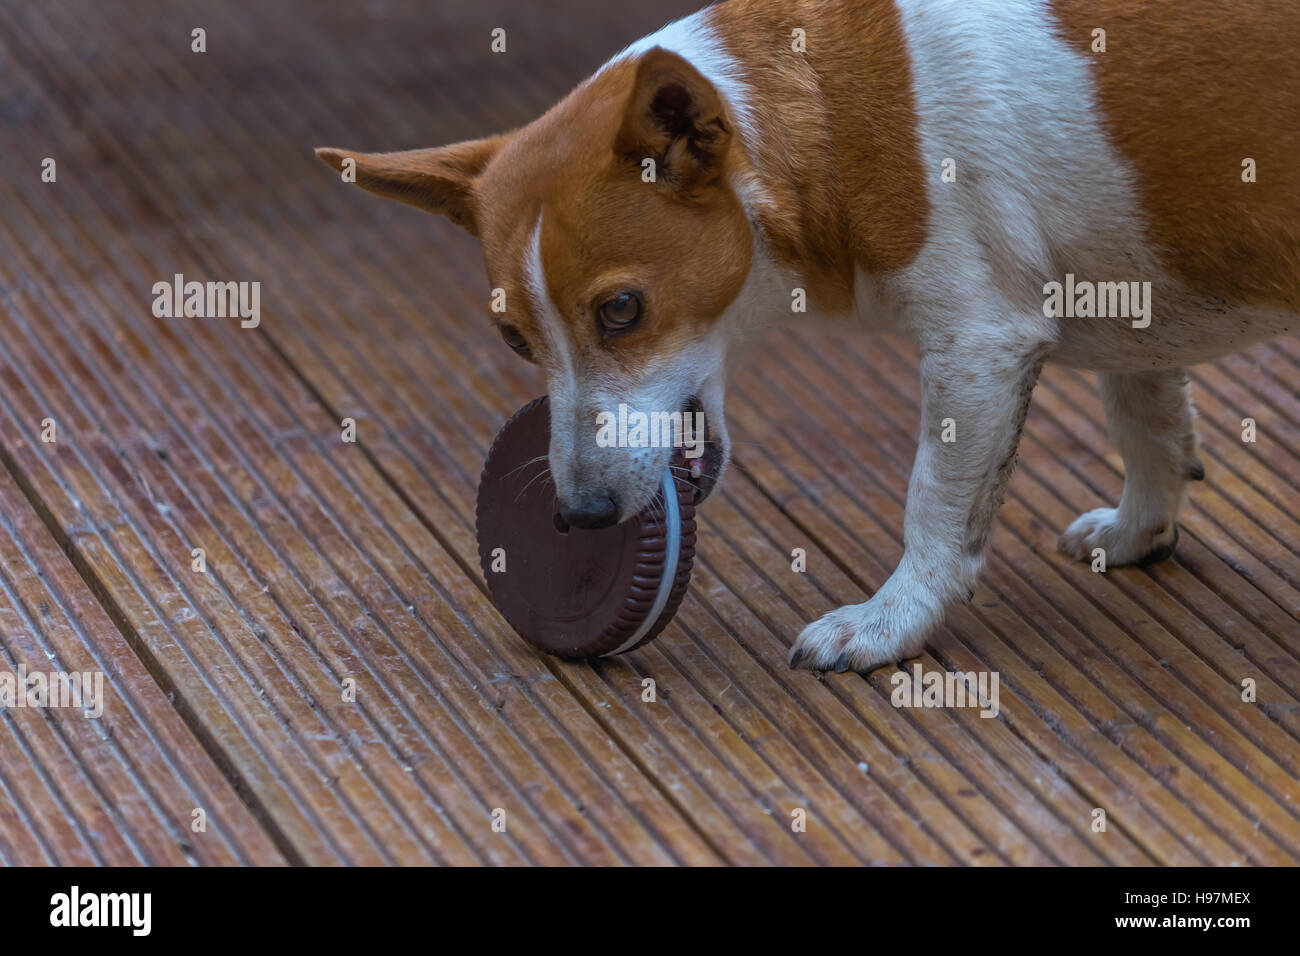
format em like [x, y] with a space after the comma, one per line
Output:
[939, 168]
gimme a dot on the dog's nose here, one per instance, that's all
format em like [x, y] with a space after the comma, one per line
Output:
[591, 512]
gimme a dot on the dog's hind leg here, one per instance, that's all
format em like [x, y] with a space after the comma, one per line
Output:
[976, 388]
[1152, 422]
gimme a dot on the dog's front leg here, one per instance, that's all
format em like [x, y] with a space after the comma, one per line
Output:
[976, 388]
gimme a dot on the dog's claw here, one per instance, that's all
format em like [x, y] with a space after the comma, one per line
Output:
[797, 656]
[1159, 554]
[842, 663]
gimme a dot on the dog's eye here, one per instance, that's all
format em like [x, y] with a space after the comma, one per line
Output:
[515, 339]
[619, 314]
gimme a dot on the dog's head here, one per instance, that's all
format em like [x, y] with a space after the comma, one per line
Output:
[616, 249]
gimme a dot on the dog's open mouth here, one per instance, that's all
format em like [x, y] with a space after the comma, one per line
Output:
[702, 468]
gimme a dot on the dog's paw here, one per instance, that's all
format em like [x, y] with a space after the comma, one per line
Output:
[1123, 540]
[861, 637]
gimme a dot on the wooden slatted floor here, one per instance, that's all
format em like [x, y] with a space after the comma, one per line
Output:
[328, 561]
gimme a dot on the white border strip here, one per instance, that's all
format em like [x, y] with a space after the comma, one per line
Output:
[673, 527]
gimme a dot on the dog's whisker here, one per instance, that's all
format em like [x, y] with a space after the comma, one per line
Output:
[533, 461]
[541, 474]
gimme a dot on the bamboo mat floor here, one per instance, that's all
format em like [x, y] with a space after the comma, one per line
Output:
[228, 735]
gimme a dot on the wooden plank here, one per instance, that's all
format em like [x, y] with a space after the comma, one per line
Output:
[118, 783]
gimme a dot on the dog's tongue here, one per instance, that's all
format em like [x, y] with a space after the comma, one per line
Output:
[692, 466]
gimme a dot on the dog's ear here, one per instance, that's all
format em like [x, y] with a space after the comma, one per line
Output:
[675, 117]
[437, 180]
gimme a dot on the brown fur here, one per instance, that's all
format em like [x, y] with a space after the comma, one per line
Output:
[436, 180]
[842, 153]
[1190, 88]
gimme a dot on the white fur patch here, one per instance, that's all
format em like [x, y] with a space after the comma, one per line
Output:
[1037, 181]
[562, 377]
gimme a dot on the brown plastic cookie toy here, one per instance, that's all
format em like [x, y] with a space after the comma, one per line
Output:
[572, 592]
